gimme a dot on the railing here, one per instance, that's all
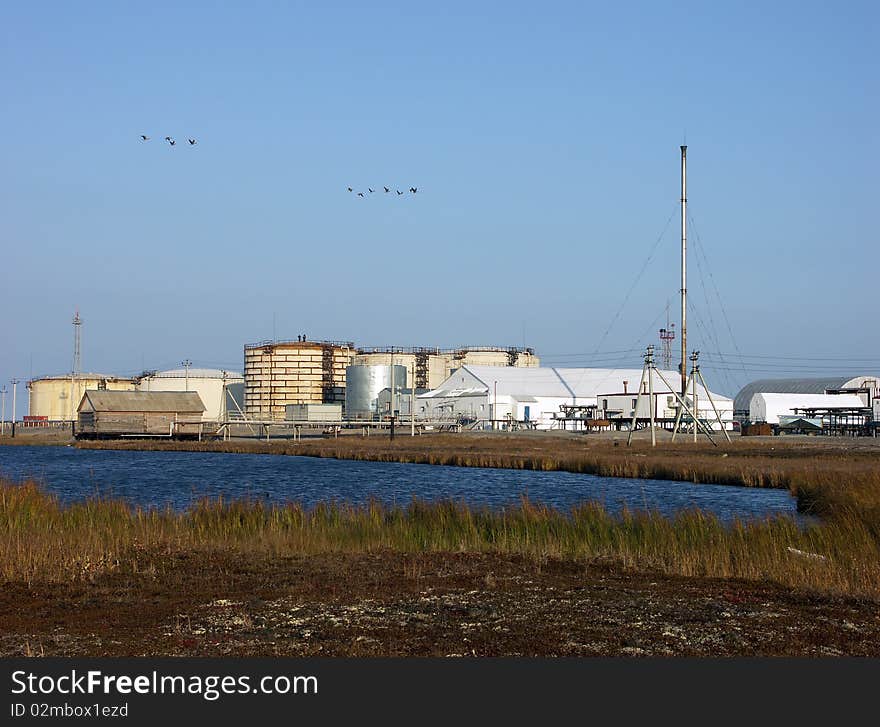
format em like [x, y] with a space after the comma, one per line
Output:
[268, 343]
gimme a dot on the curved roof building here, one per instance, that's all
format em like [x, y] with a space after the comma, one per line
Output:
[800, 385]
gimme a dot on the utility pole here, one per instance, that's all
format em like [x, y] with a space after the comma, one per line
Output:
[14, 384]
[223, 412]
[495, 405]
[412, 401]
[683, 369]
[186, 363]
[3, 415]
[391, 398]
[77, 325]
[75, 371]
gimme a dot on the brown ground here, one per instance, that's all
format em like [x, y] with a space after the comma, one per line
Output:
[425, 605]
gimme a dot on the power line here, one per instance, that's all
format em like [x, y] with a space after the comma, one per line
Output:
[636, 281]
[701, 251]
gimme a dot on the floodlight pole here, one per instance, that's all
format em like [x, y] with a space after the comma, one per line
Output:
[651, 395]
[694, 367]
[711, 401]
[14, 385]
[186, 363]
[683, 404]
[645, 369]
[683, 270]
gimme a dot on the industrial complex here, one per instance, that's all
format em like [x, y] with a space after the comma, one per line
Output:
[305, 383]
[313, 383]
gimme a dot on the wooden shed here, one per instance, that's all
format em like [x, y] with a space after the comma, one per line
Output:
[139, 413]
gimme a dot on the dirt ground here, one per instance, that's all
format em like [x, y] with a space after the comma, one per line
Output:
[391, 604]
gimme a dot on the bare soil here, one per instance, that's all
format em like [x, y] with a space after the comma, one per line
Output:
[437, 604]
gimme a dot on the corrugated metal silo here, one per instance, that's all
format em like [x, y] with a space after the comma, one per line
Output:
[362, 387]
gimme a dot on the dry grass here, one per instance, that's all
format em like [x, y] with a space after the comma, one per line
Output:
[43, 541]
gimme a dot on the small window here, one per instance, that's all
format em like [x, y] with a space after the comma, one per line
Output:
[604, 403]
[635, 401]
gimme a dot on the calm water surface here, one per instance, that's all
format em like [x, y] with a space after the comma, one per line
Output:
[177, 478]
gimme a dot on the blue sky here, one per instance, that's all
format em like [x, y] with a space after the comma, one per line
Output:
[544, 140]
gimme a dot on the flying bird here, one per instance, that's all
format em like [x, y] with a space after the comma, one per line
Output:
[386, 190]
[413, 189]
[399, 192]
[350, 189]
[145, 137]
[360, 194]
[371, 190]
[192, 142]
[172, 142]
[167, 138]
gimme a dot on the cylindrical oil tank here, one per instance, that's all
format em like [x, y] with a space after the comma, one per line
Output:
[362, 387]
[210, 384]
[278, 373]
[57, 397]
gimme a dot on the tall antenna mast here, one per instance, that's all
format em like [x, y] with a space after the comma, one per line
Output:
[683, 270]
[77, 324]
[667, 336]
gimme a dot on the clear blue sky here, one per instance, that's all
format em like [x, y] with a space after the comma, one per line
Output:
[544, 140]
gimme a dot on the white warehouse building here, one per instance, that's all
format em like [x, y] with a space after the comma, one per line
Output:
[538, 395]
[769, 407]
[212, 386]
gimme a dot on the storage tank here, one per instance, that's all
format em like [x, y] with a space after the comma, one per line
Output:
[210, 384]
[363, 384]
[433, 366]
[278, 373]
[57, 397]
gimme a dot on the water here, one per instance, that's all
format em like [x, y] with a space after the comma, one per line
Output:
[155, 479]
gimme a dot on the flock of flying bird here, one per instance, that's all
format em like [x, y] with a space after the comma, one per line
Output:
[171, 142]
[412, 190]
[193, 142]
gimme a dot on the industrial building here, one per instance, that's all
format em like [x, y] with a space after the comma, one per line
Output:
[213, 386]
[772, 408]
[865, 386]
[432, 366]
[139, 413]
[313, 413]
[55, 398]
[278, 373]
[558, 398]
[402, 398]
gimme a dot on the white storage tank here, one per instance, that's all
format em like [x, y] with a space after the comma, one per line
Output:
[57, 397]
[210, 384]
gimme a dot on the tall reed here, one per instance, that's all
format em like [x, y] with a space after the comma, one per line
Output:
[42, 540]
